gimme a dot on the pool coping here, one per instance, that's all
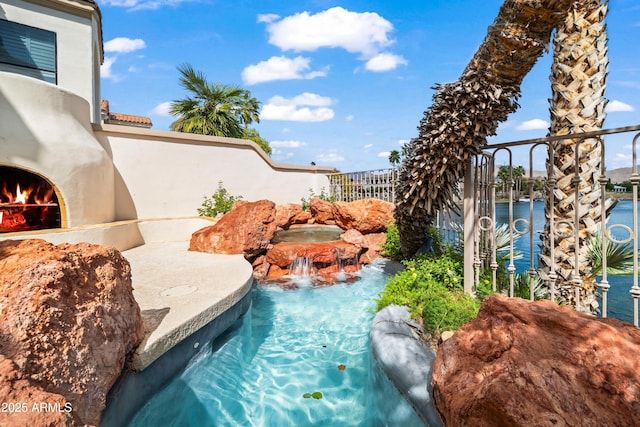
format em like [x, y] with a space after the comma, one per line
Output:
[405, 360]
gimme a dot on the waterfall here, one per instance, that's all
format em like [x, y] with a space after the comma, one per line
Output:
[301, 267]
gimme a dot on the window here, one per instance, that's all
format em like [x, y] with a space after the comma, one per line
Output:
[28, 51]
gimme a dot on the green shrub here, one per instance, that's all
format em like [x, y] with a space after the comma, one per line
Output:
[391, 245]
[220, 202]
[432, 287]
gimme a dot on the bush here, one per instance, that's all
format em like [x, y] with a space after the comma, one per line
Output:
[432, 287]
[391, 245]
[220, 202]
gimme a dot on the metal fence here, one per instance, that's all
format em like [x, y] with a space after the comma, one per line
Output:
[489, 205]
[376, 184]
[491, 202]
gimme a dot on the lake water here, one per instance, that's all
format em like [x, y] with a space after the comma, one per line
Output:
[619, 300]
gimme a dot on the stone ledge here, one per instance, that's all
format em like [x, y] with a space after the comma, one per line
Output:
[405, 360]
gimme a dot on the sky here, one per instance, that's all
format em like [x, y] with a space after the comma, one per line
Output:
[341, 83]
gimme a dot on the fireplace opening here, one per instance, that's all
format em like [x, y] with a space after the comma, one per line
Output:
[27, 201]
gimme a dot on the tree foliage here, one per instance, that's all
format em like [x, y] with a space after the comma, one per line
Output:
[215, 109]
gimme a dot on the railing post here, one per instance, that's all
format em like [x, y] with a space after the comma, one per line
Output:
[469, 222]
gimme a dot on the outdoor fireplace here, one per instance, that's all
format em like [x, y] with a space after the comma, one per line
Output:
[27, 201]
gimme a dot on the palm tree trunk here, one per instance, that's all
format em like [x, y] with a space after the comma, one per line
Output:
[578, 77]
[464, 113]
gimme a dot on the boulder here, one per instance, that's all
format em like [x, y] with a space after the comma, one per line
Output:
[68, 320]
[522, 363]
[289, 214]
[373, 242]
[354, 237]
[366, 216]
[247, 229]
[321, 254]
[21, 395]
[321, 211]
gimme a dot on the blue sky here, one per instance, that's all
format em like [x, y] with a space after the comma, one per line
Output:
[341, 83]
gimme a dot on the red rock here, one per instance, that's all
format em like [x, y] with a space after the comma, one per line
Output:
[322, 254]
[366, 216]
[276, 272]
[373, 243]
[321, 211]
[289, 214]
[354, 237]
[68, 320]
[247, 229]
[20, 395]
[260, 267]
[522, 363]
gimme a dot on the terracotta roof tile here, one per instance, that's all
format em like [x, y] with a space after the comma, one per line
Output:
[130, 119]
[123, 118]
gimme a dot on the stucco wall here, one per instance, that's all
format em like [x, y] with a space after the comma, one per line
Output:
[76, 27]
[45, 129]
[160, 174]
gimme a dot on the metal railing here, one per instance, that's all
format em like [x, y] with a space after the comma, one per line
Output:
[485, 196]
[483, 202]
[376, 184]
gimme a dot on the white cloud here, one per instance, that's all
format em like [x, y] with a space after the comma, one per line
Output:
[385, 62]
[281, 154]
[349, 118]
[305, 98]
[330, 157]
[287, 144]
[124, 45]
[533, 125]
[618, 106]
[295, 114]
[384, 154]
[365, 33]
[297, 108]
[367, 147]
[268, 17]
[281, 68]
[403, 142]
[162, 109]
[105, 69]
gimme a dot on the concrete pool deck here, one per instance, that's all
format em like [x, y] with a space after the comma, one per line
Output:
[180, 292]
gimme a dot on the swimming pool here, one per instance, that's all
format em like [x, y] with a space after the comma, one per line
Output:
[297, 358]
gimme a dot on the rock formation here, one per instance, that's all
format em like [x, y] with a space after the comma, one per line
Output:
[366, 216]
[289, 214]
[247, 229]
[321, 210]
[68, 320]
[522, 363]
[250, 226]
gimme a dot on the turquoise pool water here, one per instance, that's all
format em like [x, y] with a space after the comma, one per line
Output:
[290, 343]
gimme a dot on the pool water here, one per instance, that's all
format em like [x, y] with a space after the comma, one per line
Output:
[308, 234]
[290, 344]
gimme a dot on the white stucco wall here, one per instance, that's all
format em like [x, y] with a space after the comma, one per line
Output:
[162, 174]
[46, 130]
[77, 39]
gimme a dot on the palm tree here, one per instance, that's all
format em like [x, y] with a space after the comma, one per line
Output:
[579, 72]
[464, 113]
[394, 158]
[249, 110]
[211, 108]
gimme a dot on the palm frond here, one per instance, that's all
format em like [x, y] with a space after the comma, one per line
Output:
[619, 256]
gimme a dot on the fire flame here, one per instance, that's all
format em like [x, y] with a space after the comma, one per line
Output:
[21, 196]
[25, 196]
